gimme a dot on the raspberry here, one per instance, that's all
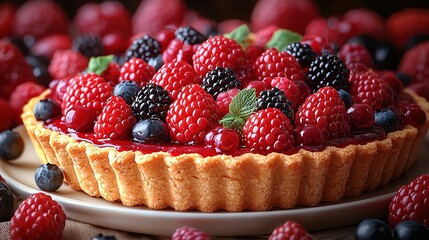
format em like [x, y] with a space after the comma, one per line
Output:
[353, 53]
[273, 63]
[319, 43]
[48, 45]
[289, 88]
[275, 98]
[402, 25]
[366, 22]
[192, 115]
[38, 216]
[137, 70]
[111, 73]
[186, 233]
[40, 19]
[115, 121]
[325, 109]
[224, 99]
[145, 48]
[179, 51]
[219, 51]
[7, 11]
[415, 63]
[303, 53]
[264, 35]
[268, 130]
[290, 230]
[152, 101]
[367, 87]
[411, 202]
[220, 80]
[328, 70]
[164, 36]
[22, 94]
[173, 76]
[87, 90]
[66, 63]
[13, 69]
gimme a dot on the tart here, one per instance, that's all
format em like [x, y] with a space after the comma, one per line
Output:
[192, 162]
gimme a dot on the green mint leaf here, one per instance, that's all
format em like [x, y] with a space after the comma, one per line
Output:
[281, 38]
[240, 35]
[240, 108]
[97, 65]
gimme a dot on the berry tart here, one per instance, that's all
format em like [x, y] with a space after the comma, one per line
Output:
[221, 125]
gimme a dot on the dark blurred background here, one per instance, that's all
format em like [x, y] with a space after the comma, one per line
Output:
[241, 9]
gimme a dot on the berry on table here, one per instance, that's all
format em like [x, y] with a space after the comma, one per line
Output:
[220, 80]
[410, 230]
[80, 119]
[6, 202]
[46, 109]
[49, 177]
[127, 90]
[290, 230]
[38, 215]
[373, 229]
[11, 145]
[152, 130]
[151, 101]
[187, 233]
[103, 237]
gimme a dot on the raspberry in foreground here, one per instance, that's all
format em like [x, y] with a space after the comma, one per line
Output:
[38, 217]
[290, 230]
[188, 233]
[411, 202]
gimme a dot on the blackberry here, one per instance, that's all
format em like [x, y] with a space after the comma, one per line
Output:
[189, 35]
[6, 202]
[152, 101]
[275, 98]
[220, 80]
[145, 48]
[302, 52]
[88, 45]
[328, 70]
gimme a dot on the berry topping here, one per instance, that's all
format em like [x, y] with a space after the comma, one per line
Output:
[145, 48]
[325, 109]
[175, 75]
[150, 130]
[185, 233]
[38, 215]
[387, 119]
[11, 145]
[6, 202]
[275, 98]
[219, 51]
[137, 70]
[49, 177]
[269, 130]
[224, 140]
[189, 35]
[409, 230]
[87, 90]
[303, 53]
[410, 202]
[224, 99]
[115, 121]
[259, 86]
[156, 62]
[372, 228]
[346, 97]
[80, 119]
[192, 115]
[328, 70]
[67, 63]
[414, 116]
[289, 87]
[273, 63]
[88, 45]
[127, 90]
[361, 116]
[355, 53]
[179, 51]
[220, 80]
[310, 135]
[46, 109]
[290, 230]
[151, 101]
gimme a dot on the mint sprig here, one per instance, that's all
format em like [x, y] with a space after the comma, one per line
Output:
[97, 65]
[240, 35]
[240, 108]
[281, 38]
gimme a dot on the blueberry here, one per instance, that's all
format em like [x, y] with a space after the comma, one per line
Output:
[11, 145]
[373, 229]
[410, 230]
[346, 97]
[46, 109]
[40, 65]
[386, 56]
[49, 177]
[6, 202]
[367, 41]
[156, 62]
[150, 130]
[405, 79]
[416, 40]
[387, 119]
[127, 90]
[103, 237]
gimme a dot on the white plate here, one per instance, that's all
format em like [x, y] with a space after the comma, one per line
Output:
[19, 174]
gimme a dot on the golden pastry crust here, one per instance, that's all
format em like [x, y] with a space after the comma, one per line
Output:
[247, 182]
